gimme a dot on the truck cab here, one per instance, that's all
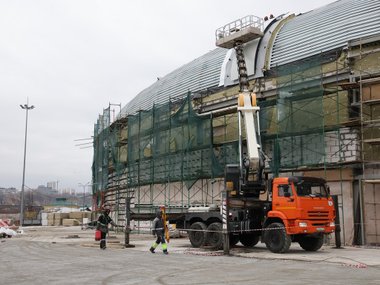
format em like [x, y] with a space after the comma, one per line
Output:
[303, 209]
[304, 204]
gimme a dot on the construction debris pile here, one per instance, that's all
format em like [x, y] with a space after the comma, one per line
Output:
[7, 229]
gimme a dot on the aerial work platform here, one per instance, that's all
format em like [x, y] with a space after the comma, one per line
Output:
[242, 30]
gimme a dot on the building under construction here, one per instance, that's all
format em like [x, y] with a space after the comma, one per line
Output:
[317, 80]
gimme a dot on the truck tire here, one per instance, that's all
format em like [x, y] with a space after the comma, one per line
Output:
[214, 236]
[276, 239]
[197, 234]
[234, 239]
[249, 239]
[311, 243]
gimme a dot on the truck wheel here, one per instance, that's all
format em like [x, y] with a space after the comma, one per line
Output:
[276, 239]
[197, 234]
[234, 239]
[311, 243]
[214, 235]
[249, 240]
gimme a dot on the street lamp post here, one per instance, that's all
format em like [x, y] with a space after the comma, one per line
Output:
[84, 199]
[26, 107]
[84, 191]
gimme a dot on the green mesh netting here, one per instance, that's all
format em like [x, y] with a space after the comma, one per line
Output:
[100, 164]
[110, 157]
[172, 143]
[293, 123]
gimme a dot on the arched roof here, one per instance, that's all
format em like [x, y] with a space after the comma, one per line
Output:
[197, 75]
[324, 29]
[305, 35]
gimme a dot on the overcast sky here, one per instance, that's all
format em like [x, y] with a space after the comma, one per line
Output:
[73, 58]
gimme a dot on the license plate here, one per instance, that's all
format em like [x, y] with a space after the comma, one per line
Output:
[320, 229]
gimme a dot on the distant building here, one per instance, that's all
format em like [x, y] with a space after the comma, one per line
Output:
[68, 191]
[46, 190]
[8, 190]
[52, 185]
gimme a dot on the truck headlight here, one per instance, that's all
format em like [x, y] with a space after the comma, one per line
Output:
[332, 224]
[302, 224]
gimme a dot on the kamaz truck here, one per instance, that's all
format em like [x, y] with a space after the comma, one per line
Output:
[285, 210]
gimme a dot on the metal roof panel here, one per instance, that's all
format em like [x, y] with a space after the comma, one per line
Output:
[324, 29]
[197, 75]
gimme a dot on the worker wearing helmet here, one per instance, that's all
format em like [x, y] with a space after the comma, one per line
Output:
[103, 221]
[159, 231]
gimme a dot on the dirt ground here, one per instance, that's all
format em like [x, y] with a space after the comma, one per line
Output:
[69, 255]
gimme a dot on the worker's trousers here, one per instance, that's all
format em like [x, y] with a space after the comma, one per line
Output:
[103, 240]
[160, 239]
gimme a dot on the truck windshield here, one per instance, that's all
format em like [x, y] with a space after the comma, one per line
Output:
[311, 189]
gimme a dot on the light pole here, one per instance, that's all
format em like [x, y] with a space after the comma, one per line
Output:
[26, 107]
[84, 198]
[84, 191]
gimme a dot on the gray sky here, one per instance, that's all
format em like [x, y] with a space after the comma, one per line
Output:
[73, 58]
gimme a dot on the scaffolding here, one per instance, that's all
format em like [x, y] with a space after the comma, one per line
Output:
[365, 54]
[163, 156]
[321, 121]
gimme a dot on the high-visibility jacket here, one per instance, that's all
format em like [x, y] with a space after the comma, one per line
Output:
[158, 226]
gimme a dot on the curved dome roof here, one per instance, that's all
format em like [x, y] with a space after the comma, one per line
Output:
[305, 35]
[195, 76]
[324, 29]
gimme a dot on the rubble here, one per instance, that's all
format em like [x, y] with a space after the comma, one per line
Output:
[6, 229]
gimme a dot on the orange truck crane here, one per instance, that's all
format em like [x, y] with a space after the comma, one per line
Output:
[278, 211]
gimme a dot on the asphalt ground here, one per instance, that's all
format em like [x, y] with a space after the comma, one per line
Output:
[69, 255]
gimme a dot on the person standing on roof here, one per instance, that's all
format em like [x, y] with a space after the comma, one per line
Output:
[103, 221]
[159, 231]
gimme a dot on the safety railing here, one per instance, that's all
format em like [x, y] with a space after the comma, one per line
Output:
[239, 25]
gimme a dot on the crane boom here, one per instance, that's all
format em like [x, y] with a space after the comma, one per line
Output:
[250, 113]
[235, 35]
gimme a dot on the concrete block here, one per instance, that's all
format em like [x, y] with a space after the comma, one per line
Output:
[70, 222]
[352, 147]
[350, 158]
[350, 137]
[345, 130]
[61, 216]
[334, 149]
[76, 215]
[332, 158]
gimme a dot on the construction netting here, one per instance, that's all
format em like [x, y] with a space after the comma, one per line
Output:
[300, 127]
[293, 123]
[371, 119]
[168, 143]
[110, 156]
[100, 164]
[172, 143]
